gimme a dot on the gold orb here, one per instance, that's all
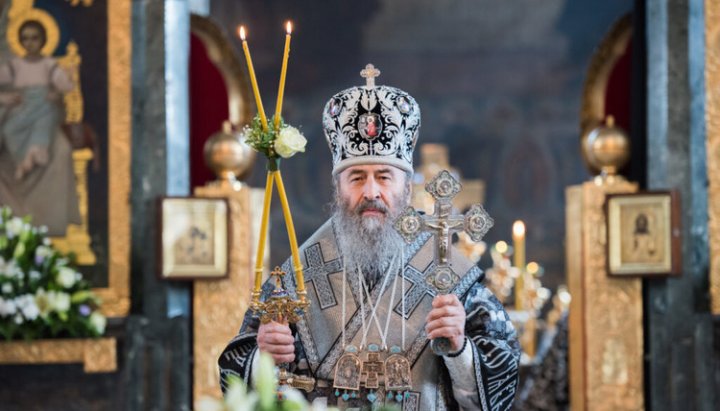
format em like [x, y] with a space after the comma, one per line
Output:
[227, 155]
[607, 148]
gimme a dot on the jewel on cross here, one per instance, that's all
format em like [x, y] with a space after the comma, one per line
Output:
[369, 73]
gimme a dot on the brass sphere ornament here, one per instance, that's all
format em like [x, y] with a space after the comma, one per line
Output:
[227, 155]
[607, 148]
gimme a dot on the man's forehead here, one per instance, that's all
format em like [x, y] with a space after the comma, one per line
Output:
[371, 169]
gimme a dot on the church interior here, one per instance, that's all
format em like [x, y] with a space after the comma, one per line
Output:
[588, 130]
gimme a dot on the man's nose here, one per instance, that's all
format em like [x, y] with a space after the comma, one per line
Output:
[371, 190]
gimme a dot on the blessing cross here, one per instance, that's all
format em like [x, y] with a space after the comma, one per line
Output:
[476, 223]
[369, 73]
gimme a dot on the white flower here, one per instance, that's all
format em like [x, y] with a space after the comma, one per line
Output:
[47, 241]
[289, 142]
[59, 301]
[11, 270]
[7, 288]
[98, 321]
[14, 227]
[66, 277]
[18, 319]
[43, 251]
[210, 404]
[26, 304]
[35, 275]
[7, 307]
[42, 300]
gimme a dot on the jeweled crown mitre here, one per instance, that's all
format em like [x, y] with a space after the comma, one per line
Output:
[371, 125]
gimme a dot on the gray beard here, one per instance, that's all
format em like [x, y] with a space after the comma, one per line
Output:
[367, 243]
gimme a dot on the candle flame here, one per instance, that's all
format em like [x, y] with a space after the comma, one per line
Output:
[241, 32]
[288, 27]
[518, 229]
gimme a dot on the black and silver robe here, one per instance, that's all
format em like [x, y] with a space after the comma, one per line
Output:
[491, 337]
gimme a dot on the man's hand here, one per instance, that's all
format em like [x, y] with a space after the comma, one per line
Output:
[277, 340]
[447, 319]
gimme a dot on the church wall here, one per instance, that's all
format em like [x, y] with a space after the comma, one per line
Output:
[683, 355]
[153, 349]
[499, 85]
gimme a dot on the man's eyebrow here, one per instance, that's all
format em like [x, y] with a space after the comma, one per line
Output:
[356, 172]
[383, 171]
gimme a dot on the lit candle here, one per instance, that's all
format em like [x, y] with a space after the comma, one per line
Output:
[260, 256]
[253, 80]
[299, 279]
[283, 74]
[519, 245]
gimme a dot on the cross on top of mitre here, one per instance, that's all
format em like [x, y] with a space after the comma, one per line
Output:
[369, 73]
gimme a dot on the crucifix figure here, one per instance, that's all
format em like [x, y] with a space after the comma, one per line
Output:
[442, 224]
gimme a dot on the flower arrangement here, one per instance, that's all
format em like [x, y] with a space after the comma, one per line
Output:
[41, 294]
[283, 141]
[264, 397]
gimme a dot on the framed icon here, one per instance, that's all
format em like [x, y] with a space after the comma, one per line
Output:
[194, 238]
[643, 234]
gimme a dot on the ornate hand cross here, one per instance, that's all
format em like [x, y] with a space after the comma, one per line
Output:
[476, 222]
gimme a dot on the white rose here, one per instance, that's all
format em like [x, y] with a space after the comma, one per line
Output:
[7, 288]
[98, 322]
[66, 277]
[289, 142]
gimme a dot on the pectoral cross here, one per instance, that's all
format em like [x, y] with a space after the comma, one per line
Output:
[372, 369]
[476, 223]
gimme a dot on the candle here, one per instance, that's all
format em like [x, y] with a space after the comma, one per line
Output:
[260, 256]
[253, 80]
[299, 279]
[283, 74]
[519, 245]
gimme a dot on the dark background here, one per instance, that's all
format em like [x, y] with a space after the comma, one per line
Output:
[500, 83]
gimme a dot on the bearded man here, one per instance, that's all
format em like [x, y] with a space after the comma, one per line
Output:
[371, 308]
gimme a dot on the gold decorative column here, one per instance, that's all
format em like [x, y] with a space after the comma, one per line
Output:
[605, 318]
[712, 127]
[219, 305]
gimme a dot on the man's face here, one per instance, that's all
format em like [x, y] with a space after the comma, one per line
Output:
[372, 191]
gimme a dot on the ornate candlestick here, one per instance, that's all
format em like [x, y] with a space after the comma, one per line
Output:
[280, 307]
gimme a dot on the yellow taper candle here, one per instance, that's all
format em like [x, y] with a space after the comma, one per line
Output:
[253, 80]
[263, 231]
[519, 262]
[283, 74]
[299, 278]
